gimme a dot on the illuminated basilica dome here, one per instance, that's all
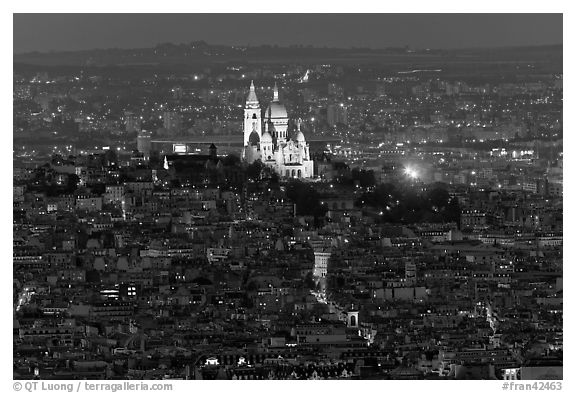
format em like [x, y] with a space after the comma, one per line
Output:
[277, 117]
[266, 139]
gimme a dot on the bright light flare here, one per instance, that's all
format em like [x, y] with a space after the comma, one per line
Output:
[411, 173]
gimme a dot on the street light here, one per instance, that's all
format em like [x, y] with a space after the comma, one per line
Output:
[411, 173]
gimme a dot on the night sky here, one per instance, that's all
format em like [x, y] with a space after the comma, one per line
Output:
[44, 32]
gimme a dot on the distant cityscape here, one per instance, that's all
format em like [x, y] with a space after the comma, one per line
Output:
[201, 211]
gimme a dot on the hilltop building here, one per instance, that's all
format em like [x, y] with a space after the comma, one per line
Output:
[266, 139]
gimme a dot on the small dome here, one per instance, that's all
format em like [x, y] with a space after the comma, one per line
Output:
[300, 137]
[254, 138]
[276, 111]
[266, 137]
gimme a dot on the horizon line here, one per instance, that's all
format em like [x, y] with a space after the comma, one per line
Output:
[290, 46]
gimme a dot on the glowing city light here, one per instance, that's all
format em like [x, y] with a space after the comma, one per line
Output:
[411, 173]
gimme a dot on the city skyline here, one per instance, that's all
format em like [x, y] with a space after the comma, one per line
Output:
[224, 212]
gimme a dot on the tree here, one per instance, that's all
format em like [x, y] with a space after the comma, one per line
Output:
[439, 198]
[453, 211]
[251, 286]
[254, 170]
[72, 183]
[367, 178]
[231, 160]
[309, 281]
[408, 206]
[306, 199]
[363, 177]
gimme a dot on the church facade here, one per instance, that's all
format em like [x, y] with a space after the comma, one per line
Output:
[266, 139]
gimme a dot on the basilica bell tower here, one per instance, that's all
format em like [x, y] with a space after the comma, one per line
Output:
[252, 115]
